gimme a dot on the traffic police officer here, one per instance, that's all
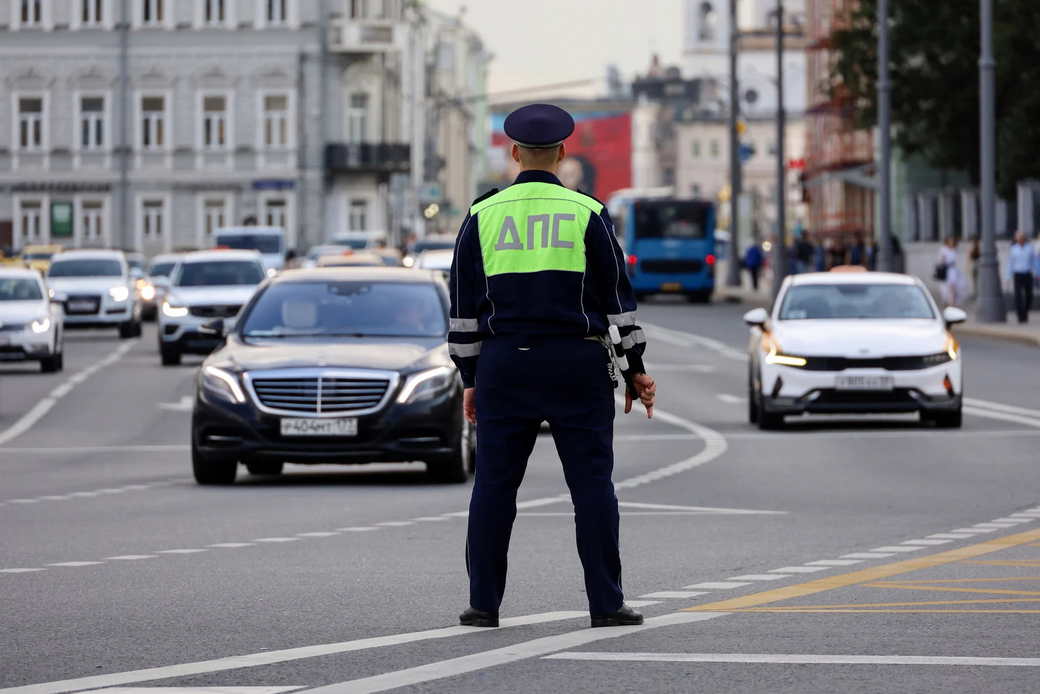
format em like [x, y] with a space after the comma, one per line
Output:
[537, 280]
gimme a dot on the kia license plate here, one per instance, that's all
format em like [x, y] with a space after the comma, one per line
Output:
[319, 427]
[864, 383]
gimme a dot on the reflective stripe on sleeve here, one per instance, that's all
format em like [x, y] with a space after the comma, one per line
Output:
[634, 338]
[622, 319]
[463, 350]
[463, 325]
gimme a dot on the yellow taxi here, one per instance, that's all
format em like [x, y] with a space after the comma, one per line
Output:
[38, 256]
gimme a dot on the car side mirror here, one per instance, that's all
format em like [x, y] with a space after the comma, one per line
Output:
[161, 283]
[756, 317]
[215, 328]
[953, 315]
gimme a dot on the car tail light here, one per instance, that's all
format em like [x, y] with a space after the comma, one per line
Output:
[710, 259]
[632, 260]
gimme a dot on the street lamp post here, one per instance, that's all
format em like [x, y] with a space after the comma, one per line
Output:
[780, 247]
[735, 183]
[884, 95]
[991, 299]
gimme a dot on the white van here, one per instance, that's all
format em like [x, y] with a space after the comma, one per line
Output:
[269, 241]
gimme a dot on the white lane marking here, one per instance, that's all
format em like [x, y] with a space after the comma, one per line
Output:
[995, 526]
[800, 435]
[867, 555]
[91, 493]
[717, 585]
[23, 501]
[799, 569]
[835, 562]
[356, 529]
[198, 690]
[276, 539]
[640, 438]
[729, 399]
[1001, 407]
[669, 594]
[975, 531]
[895, 548]
[1007, 417]
[760, 577]
[502, 656]
[642, 603]
[131, 557]
[185, 404]
[684, 339]
[232, 545]
[41, 408]
[951, 536]
[1009, 519]
[430, 519]
[395, 524]
[926, 543]
[699, 509]
[181, 551]
[795, 659]
[280, 656]
[318, 534]
[75, 563]
[20, 570]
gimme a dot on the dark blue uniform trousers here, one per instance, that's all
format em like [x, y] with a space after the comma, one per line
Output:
[522, 381]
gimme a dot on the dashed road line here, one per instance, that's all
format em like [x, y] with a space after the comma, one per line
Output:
[669, 594]
[760, 577]
[717, 585]
[92, 493]
[794, 659]
[834, 562]
[132, 557]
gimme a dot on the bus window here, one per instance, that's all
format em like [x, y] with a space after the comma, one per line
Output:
[671, 220]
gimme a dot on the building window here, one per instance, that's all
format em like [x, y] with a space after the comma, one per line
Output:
[91, 12]
[91, 122]
[274, 212]
[714, 149]
[358, 9]
[30, 215]
[697, 148]
[30, 122]
[152, 222]
[153, 122]
[277, 11]
[153, 12]
[92, 218]
[214, 215]
[214, 122]
[276, 121]
[31, 14]
[707, 18]
[357, 118]
[357, 219]
[214, 12]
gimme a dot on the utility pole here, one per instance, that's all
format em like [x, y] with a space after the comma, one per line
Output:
[990, 308]
[884, 96]
[780, 247]
[735, 165]
[124, 238]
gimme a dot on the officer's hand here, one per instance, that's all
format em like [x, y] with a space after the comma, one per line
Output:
[469, 404]
[647, 391]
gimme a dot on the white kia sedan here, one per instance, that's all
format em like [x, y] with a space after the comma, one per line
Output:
[30, 321]
[853, 342]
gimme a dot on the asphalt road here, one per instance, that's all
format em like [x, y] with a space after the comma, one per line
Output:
[839, 555]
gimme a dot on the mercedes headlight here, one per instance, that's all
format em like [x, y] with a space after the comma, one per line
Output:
[222, 384]
[426, 384]
[41, 326]
[774, 356]
[119, 294]
[172, 311]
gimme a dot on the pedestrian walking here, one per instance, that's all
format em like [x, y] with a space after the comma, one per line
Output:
[974, 254]
[753, 264]
[1022, 260]
[947, 272]
[537, 282]
[858, 252]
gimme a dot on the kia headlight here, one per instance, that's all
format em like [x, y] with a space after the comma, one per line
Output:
[119, 294]
[222, 384]
[173, 311]
[426, 384]
[40, 326]
[774, 355]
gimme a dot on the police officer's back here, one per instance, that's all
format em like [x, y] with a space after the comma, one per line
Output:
[538, 279]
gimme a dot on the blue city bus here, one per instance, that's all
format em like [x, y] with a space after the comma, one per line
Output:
[669, 244]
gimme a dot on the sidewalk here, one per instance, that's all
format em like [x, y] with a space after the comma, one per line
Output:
[1028, 333]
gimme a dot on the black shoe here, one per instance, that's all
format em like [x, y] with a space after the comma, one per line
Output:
[624, 617]
[473, 617]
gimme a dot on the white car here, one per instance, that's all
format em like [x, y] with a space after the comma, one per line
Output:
[268, 241]
[853, 342]
[439, 260]
[30, 322]
[204, 286]
[99, 290]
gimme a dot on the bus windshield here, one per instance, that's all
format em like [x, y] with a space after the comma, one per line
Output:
[265, 243]
[671, 219]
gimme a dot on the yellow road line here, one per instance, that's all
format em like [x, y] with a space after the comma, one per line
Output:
[821, 585]
[951, 589]
[857, 605]
[1004, 579]
[1006, 562]
[781, 610]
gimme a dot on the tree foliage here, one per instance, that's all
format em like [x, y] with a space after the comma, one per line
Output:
[934, 54]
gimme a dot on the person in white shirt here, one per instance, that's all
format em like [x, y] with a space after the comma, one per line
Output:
[953, 288]
[1021, 264]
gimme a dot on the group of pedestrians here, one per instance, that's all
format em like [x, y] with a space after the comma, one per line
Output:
[807, 255]
[1022, 270]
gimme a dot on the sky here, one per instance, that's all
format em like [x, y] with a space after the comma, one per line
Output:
[539, 42]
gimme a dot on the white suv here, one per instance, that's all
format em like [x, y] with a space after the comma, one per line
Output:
[204, 286]
[30, 323]
[99, 290]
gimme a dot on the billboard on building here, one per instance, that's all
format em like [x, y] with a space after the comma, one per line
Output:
[599, 153]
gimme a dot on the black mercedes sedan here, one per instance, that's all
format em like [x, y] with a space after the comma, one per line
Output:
[333, 365]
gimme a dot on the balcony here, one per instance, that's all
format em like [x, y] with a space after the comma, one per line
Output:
[365, 35]
[382, 157]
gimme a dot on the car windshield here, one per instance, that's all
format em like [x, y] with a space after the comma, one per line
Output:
[19, 289]
[358, 308]
[432, 245]
[161, 269]
[671, 219]
[38, 256]
[87, 267]
[134, 263]
[265, 243]
[850, 301]
[219, 272]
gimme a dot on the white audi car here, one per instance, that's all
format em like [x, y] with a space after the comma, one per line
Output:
[30, 322]
[853, 342]
[204, 286]
[99, 288]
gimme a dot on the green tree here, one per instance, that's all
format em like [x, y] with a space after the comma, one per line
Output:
[935, 81]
